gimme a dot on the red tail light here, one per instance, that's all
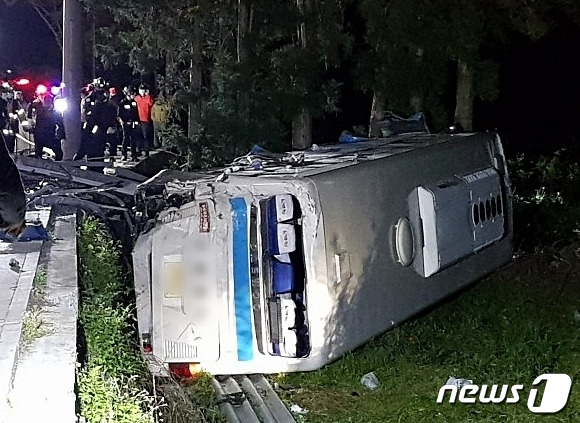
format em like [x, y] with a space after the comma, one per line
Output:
[184, 370]
[146, 343]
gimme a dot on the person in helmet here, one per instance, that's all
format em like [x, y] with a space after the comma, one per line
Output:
[12, 106]
[128, 118]
[87, 106]
[144, 106]
[6, 98]
[115, 97]
[100, 121]
[12, 196]
[93, 138]
[19, 121]
[100, 84]
[86, 93]
[48, 125]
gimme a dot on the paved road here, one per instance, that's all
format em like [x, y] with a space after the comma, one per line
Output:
[37, 381]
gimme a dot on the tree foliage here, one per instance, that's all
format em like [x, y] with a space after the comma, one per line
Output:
[414, 47]
[239, 99]
[238, 72]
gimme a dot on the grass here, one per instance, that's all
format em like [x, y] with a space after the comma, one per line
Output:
[40, 279]
[114, 384]
[112, 381]
[509, 329]
[33, 326]
[189, 402]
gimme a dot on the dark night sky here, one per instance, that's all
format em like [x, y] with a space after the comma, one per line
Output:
[26, 43]
[539, 103]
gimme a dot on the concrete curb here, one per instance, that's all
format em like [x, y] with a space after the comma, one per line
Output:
[43, 387]
[14, 305]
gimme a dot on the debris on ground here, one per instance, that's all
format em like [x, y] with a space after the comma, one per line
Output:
[458, 382]
[296, 409]
[370, 381]
[14, 265]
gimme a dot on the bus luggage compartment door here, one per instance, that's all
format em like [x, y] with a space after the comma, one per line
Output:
[456, 218]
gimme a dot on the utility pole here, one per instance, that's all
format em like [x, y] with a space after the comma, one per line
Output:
[94, 46]
[72, 74]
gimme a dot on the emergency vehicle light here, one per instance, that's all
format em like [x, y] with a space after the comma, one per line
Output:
[60, 105]
[41, 89]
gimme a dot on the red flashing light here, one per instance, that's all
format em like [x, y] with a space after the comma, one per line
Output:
[41, 89]
[22, 81]
[185, 370]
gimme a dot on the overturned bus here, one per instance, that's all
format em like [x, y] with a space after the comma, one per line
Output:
[283, 263]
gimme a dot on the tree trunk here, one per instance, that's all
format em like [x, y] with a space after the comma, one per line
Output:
[416, 100]
[464, 96]
[377, 114]
[72, 74]
[302, 131]
[302, 123]
[93, 47]
[244, 27]
[196, 78]
[243, 30]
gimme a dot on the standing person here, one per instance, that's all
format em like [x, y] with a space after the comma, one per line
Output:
[108, 123]
[99, 121]
[144, 105]
[12, 110]
[48, 125]
[20, 100]
[159, 114]
[128, 118]
[115, 97]
[3, 106]
[87, 118]
[21, 121]
[12, 197]
[5, 113]
[94, 132]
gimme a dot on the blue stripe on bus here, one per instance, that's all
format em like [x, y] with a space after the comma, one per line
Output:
[242, 294]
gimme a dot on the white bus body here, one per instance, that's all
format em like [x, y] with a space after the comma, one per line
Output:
[286, 268]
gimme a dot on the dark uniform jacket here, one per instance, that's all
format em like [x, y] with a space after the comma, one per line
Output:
[12, 198]
[46, 119]
[128, 111]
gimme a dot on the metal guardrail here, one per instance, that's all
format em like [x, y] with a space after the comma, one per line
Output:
[250, 399]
